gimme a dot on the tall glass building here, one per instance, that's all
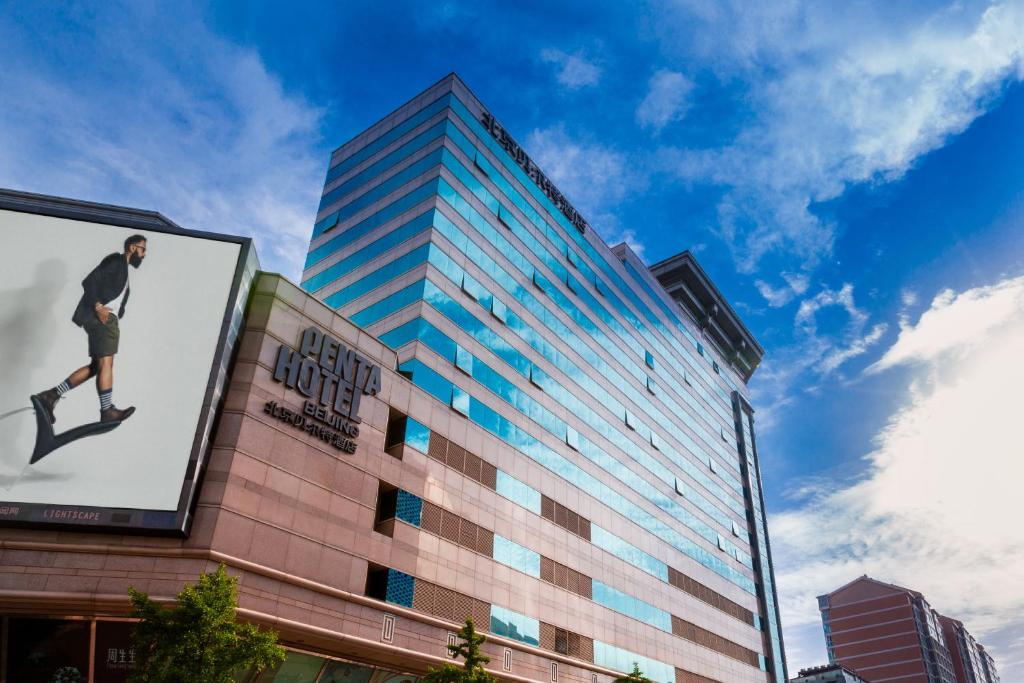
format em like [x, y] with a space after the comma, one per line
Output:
[591, 484]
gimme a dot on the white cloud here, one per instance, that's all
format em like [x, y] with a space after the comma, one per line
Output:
[796, 285]
[197, 129]
[665, 101]
[574, 71]
[839, 94]
[956, 323]
[937, 509]
[596, 178]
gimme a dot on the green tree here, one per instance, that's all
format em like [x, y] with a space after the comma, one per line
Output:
[199, 641]
[634, 677]
[472, 670]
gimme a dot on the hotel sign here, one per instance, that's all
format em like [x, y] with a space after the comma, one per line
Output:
[333, 379]
[547, 187]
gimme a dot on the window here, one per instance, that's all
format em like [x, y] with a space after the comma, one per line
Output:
[711, 465]
[395, 434]
[735, 529]
[537, 377]
[499, 310]
[631, 420]
[506, 660]
[725, 437]
[718, 370]
[463, 360]
[460, 400]
[656, 440]
[721, 542]
[570, 255]
[481, 164]
[504, 216]
[554, 672]
[700, 348]
[561, 641]
[570, 282]
[539, 282]
[687, 378]
[470, 286]
[649, 359]
[452, 641]
[572, 438]
[652, 387]
[387, 506]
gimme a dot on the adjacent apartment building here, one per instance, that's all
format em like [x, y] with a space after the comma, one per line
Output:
[590, 421]
[885, 632]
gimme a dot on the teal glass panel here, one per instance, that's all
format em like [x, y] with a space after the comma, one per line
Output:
[505, 622]
[400, 588]
[417, 435]
[386, 139]
[628, 552]
[381, 276]
[518, 492]
[409, 508]
[622, 660]
[631, 606]
[382, 164]
[481, 414]
[369, 252]
[386, 213]
[516, 556]
[388, 305]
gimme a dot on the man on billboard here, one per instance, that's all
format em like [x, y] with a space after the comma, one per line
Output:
[105, 287]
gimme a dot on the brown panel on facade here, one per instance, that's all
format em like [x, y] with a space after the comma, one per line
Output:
[463, 607]
[485, 542]
[572, 581]
[450, 526]
[560, 575]
[472, 467]
[444, 603]
[712, 641]
[482, 614]
[705, 594]
[430, 519]
[547, 569]
[423, 595]
[456, 457]
[547, 508]
[690, 677]
[587, 648]
[547, 636]
[564, 517]
[566, 578]
[489, 475]
[566, 642]
[585, 528]
[467, 534]
[437, 448]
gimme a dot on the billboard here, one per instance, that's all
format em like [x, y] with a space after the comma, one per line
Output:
[116, 328]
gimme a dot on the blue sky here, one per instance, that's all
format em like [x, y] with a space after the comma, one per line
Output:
[852, 176]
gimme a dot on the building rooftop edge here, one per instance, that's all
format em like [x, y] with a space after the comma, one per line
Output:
[77, 209]
[682, 276]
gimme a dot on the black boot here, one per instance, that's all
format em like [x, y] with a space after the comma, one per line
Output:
[113, 414]
[49, 399]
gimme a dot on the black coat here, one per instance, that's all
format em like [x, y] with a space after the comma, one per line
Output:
[105, 282]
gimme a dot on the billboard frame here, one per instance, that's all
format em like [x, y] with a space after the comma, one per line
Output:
[137, 521]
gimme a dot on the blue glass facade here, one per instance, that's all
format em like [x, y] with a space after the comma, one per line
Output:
[436, 238]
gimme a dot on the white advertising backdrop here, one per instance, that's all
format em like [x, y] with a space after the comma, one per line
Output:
[168, 340]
